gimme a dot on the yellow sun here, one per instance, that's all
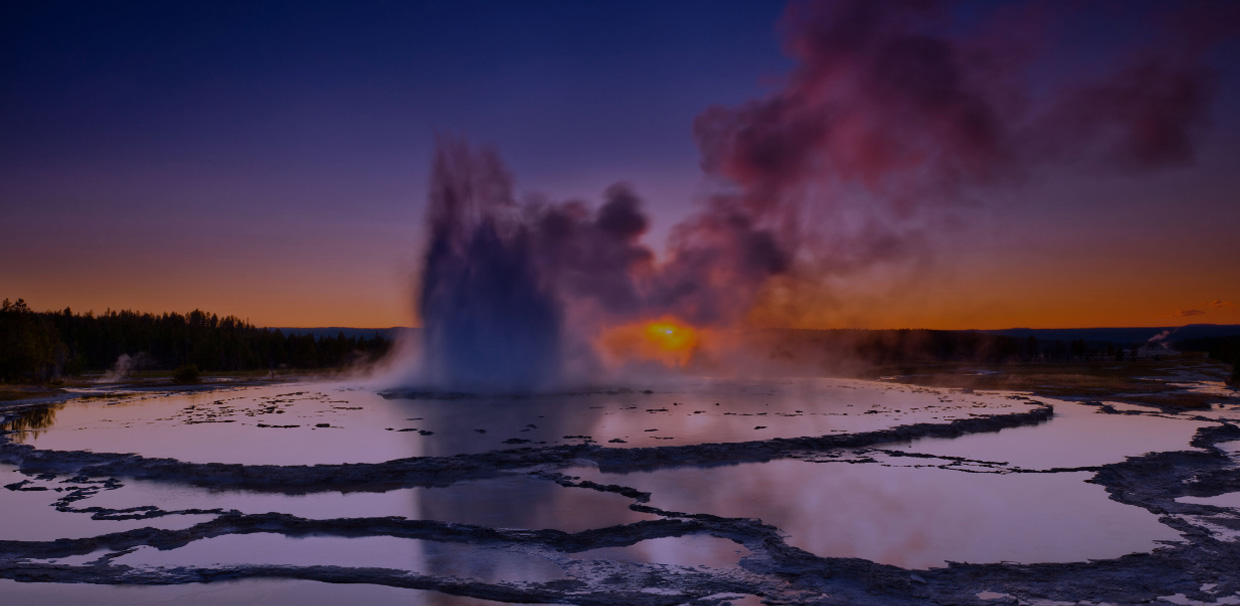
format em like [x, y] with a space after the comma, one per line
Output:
[671, 337]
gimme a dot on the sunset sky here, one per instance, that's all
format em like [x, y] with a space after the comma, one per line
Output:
[269, 159]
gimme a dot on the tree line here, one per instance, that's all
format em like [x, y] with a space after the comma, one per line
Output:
[900, 346]
[918, 346]
[1223, 349]
[38, 346]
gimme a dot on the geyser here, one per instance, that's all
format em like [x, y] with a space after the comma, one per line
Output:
[516, 297]
[491, 322]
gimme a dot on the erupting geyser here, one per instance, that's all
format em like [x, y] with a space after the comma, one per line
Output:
[517, 297]
[491, 322]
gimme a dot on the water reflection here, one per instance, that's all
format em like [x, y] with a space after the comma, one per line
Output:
[415, 555]
[910, 517]
[250, 592]
[506, 502]
[1227, 499]
[342, 423]
[29, 423]
[31, 515]
[693, 550]
[1077, 436]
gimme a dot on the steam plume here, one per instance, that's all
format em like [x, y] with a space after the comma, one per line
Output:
[893, 112]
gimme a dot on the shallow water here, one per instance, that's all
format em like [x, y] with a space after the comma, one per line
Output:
[516, 501]
[32, 516]
[1232, 448]
[678, 551]
[414, 555]
[964, 499]
[254, 592]
[910, 517]
[1228, 499]
[1079, 435]
[328, 422]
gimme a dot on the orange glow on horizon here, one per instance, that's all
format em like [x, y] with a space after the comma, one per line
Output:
[981, 291]
[666, 340]
[671, 337]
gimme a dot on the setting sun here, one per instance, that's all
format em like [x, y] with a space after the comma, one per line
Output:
[671, 337]
[666, 340]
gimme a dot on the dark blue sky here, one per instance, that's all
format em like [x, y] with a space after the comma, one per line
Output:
[268, 159]
[248, 141]
[267, 88]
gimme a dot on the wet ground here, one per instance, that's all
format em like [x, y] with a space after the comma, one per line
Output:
[704, 492]
[328, 422]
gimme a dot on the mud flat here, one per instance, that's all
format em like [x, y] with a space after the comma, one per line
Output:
[860, 493]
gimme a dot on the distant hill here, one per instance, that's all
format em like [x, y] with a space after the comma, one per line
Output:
[1122, 335]
[349, 333]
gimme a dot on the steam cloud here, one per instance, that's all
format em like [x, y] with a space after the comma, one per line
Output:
[125, 365]
[893, 110]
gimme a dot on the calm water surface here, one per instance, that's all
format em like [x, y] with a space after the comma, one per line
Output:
[908, 516]
[345, 423]
[910, 512]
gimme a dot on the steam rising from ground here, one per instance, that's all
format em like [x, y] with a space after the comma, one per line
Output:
[894, 112]
[125, 365]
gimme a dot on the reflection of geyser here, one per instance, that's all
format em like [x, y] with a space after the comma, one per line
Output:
[491, 323]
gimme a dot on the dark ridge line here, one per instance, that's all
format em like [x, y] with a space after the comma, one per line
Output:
[235, 522]
[638, 496]
[757, 451]
[441, 471]
[991, 467]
